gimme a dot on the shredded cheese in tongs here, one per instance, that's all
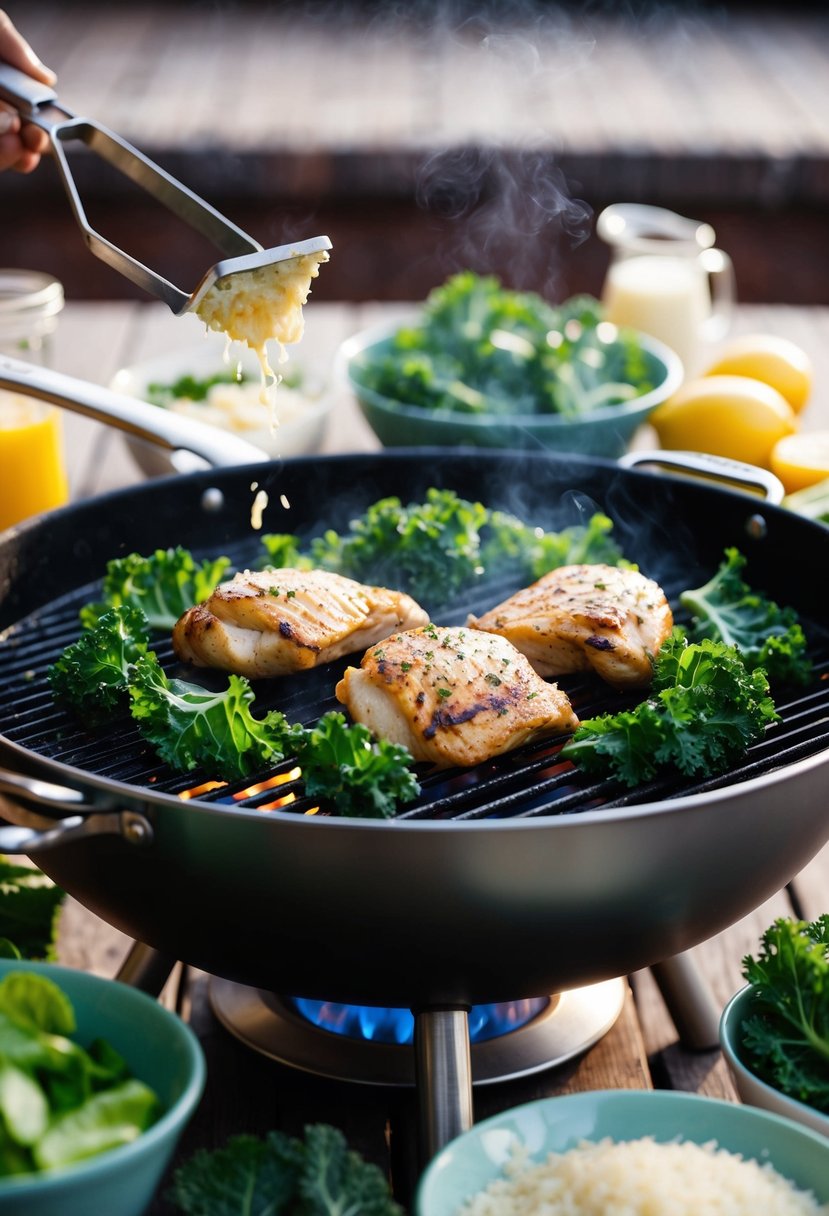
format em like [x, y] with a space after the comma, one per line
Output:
[262, 301]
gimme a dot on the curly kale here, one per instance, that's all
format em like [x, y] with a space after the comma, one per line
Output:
[163, 585]
[705, 709]
[359, 774]
[786, 1038]
[728, 610]
[192, 727]
[444, 545]
[279, 1175]
[92, 674]
[480, 347]
[424, 548]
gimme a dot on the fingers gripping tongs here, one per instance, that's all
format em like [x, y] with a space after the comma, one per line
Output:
[37, 103]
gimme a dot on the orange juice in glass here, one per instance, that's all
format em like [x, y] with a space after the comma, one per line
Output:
[32, 472]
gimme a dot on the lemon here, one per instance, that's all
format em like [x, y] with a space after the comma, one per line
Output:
[801, 460]
[731, 416]
[776, 361]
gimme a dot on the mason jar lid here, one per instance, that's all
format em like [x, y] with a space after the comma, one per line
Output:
[29, 293]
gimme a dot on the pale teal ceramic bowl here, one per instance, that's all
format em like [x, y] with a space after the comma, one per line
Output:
[749, 1086]
[605, 432]
[469, 1163]
[161, 1051]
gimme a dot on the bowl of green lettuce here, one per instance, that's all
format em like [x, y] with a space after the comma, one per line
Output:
[97, 1082]
[483, 366]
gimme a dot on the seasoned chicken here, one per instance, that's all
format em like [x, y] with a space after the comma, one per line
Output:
[453, 696]
[582, 617]
[271, 622]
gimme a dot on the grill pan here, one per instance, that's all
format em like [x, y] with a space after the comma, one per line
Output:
[514, 879]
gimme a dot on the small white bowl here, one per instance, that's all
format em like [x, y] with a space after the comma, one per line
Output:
[300, 429]
[749, 1086]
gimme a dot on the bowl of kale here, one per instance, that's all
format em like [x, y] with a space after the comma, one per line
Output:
[484, 366]
[774, 1033]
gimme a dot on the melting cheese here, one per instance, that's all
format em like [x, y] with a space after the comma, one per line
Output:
[261, 306]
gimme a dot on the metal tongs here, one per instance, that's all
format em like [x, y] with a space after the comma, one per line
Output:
[37, 103]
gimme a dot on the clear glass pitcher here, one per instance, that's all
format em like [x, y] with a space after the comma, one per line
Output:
[666, 278]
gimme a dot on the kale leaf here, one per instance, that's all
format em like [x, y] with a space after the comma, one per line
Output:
[428, 549]
[192, 727]
[92, 674]
[704, 710]
[361, 775]
[728, 610]
[279, 1175]
[163, 585]
[786, 1039]
[444, 545]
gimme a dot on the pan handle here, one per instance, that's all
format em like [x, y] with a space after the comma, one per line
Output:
[712, 468]
[149, 422]
[28, 832]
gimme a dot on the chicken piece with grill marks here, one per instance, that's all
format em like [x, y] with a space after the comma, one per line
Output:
[578, 618]
[453, 696]
[272, 622]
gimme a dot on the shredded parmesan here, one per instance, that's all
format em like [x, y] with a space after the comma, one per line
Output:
[261, 306]
[641, 1178]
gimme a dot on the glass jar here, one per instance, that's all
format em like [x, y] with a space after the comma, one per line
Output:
[30, 304]
[32, 471]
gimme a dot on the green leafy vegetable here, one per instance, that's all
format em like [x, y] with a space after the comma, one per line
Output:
[437, 548]
[479, 347]
[728, 610]
[29, 908]
[92, 674]
[704, 710]
[279, 1175]
[361, 775]
[192, 727]
[190, 388]
[786, 1039]
[163, 585]
[59, 1102]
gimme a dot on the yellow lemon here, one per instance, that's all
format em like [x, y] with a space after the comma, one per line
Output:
[776, 361]
[801, 460]
[731, 416]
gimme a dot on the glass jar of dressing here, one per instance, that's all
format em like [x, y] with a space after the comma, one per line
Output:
[32, 473]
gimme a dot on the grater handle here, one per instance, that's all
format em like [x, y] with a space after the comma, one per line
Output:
[28, 96]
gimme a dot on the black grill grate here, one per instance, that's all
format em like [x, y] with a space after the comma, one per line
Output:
[528, 782]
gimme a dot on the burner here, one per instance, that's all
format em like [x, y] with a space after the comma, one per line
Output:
[558, 1028]
[389, 1025]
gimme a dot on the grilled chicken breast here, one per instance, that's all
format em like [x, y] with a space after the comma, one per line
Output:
[453, 696]
[582, 617]
[272, 622]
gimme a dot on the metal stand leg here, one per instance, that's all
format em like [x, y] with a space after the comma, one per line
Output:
[690, 1003]
[443, 1073]
[146, 969]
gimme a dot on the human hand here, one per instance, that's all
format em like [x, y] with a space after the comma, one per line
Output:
[21, 143]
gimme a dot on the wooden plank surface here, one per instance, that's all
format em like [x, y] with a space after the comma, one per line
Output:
[346, 76]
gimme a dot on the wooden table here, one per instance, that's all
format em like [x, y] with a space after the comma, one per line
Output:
[246, 1093]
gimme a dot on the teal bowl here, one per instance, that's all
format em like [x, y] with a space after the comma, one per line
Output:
[161, 1051]
[469, 1163]
[748, 1085]
[606, 432]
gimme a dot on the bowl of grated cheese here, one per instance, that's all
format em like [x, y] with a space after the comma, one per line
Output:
[223, 387]
[631, 1152]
